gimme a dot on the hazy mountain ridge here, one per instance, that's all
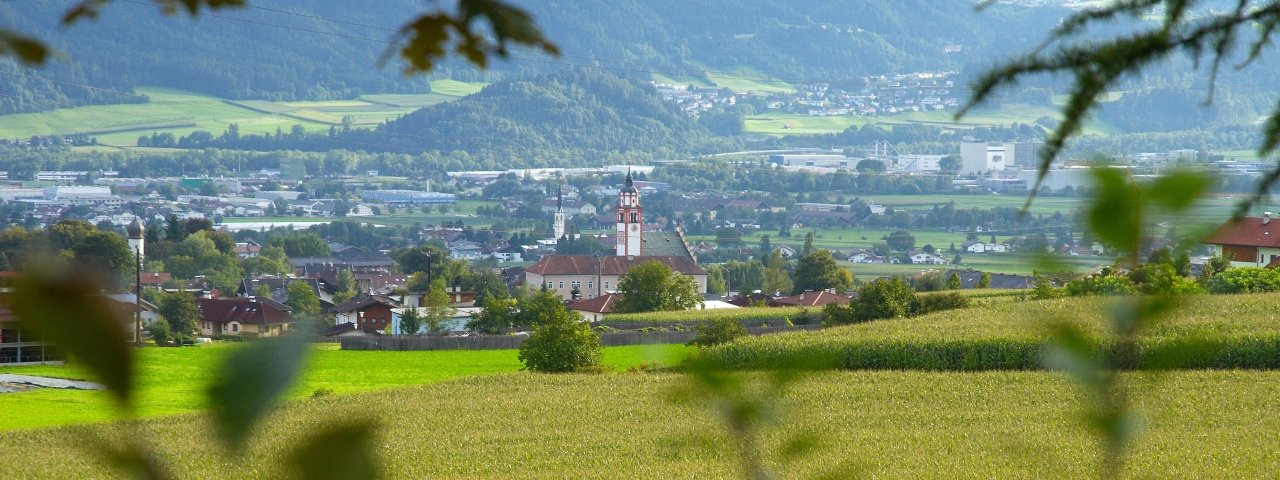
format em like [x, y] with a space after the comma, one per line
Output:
[277, 56]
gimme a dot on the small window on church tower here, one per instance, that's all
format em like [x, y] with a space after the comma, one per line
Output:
[635, 217]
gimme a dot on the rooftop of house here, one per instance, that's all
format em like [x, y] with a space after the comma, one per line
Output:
[1248, 231]
[601, 304]
[259, 311]
[810, 299]
[363, 301]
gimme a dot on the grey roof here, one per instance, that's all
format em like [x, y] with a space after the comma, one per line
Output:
[664, 244]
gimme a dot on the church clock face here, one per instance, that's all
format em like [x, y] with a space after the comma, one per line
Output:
[635, 227]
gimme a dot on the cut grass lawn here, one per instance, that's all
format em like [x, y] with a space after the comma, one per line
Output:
[1241, 331]
[873, 424]
[173, 380]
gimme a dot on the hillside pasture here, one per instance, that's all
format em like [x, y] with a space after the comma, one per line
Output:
[180, 113]
[1214, 424]
[1221, 331]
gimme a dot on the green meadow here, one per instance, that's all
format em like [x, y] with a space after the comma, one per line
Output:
[783, 123]
[180, 113]
[174, 380]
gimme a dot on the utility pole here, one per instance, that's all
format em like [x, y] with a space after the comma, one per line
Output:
[137, 297]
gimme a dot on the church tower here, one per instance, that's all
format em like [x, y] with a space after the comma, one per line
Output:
[136, 233]
[557, 225]
[630, 219]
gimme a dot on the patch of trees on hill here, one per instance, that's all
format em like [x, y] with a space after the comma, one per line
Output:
[571, 116]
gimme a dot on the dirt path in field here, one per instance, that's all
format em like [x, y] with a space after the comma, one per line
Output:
[47, 382]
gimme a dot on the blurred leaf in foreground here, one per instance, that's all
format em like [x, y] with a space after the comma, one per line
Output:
[69, 311]
[252, 378]
[342, 452]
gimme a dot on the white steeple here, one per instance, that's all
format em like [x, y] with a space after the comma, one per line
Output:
[630, 219]
[557, 225]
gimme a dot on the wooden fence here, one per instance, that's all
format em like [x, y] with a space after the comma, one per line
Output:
[503, 342]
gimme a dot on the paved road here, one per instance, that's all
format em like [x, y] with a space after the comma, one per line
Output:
[49, 382]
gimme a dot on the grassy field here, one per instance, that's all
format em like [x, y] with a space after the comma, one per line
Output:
[180, 113]
[173, 380]
[865, 424]
[1011, 334]
[783, 123]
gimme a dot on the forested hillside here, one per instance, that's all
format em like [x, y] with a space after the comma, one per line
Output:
[324, 49]
[578, 116]
[243, 53]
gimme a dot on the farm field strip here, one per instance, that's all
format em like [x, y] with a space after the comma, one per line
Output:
[173, 380]
[1236, 331]
[870, 424]
[180, 113]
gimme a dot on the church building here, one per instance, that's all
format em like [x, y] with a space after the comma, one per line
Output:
[586, 276]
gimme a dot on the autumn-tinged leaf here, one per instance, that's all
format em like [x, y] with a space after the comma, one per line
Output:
[89, 9]
[427, 38]
[342, 452]
[252, 378]
[27, 50]
[70, 312]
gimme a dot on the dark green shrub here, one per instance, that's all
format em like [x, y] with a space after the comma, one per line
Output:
[159, 331]
[561, 345]
[883, 298]
[717, 332]
[1245, 280]
[940, 301]
[1101, 285]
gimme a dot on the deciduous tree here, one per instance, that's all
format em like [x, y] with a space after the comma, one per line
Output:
[818, 271]
[653, 286]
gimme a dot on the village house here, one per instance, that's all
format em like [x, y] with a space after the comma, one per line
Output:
[592, 276]
[594, 309]
[1250, 242]
[366, 312]
[920, 257]
[248, 317]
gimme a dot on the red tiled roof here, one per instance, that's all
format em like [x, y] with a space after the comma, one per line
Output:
[811, 299]
[601, 304]
[613, 265]
[1249, 231]
[364, 301]
[244, 310]
[155, 278]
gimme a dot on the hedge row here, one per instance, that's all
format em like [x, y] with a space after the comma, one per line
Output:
[993, 354]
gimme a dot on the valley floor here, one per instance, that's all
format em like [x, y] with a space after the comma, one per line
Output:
[864, 424]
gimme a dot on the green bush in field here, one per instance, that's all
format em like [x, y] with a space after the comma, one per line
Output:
[1102, 284]
[1245, 280]
[717, 332]
[1163, 279]
[883, 298]
[561, 345]
[159, 331]
[1042, 288]
[938, 302]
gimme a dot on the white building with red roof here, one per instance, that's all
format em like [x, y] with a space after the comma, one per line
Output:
[1249, 242]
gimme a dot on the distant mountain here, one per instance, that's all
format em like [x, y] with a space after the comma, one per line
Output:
[570, 117]
[329, 48]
